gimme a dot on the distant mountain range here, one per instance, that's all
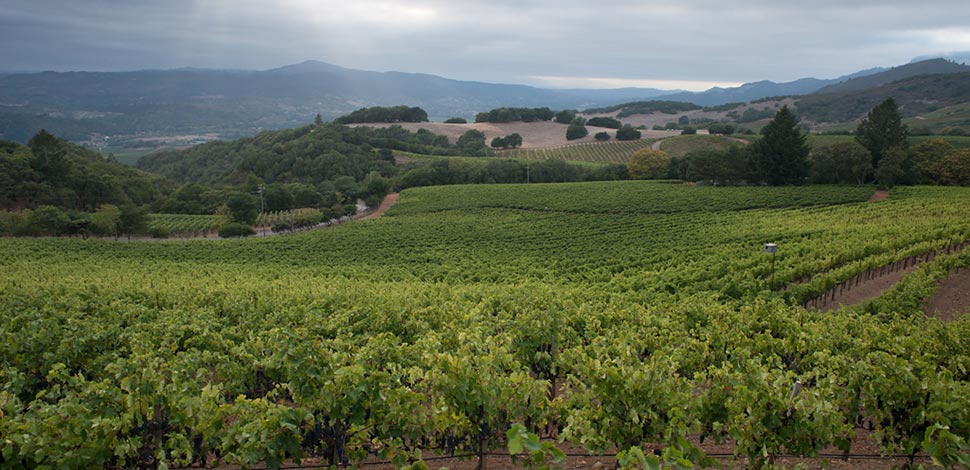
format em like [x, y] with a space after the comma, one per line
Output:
[234, 103]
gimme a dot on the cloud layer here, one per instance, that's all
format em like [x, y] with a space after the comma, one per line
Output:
[558, 43]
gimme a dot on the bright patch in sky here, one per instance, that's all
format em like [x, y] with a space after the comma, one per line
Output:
[603, 82]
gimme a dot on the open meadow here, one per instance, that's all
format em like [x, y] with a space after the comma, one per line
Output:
[609, 315]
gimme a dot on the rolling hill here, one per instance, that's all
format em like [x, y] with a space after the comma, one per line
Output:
[915, 96]
[926, 67]
[236, 103]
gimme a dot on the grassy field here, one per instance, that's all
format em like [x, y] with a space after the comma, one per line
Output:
[682, 145]
[957, 116]
[469, 310]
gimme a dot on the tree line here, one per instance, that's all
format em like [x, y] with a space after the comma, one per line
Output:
[384, 114]
[880, 153]
[515, 114]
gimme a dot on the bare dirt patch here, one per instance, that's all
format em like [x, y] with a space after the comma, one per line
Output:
[879, 195]
[952, 299]
[386, 204]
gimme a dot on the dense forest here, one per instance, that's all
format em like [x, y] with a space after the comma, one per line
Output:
[51, 171]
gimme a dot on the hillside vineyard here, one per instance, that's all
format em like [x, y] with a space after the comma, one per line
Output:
[620, 315]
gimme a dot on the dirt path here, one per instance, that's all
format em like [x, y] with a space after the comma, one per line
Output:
[952, 299]
[879, 195]
[656, 145]
[386, 204]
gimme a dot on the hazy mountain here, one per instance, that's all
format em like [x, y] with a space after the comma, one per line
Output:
[233, 102]
[926, 67]
[961, 57]
[914, 95]
[750, 92]
[757, 90]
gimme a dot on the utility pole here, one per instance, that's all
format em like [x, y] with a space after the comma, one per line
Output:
[259, 189]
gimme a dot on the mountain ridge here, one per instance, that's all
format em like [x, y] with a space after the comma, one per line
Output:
[235, 103]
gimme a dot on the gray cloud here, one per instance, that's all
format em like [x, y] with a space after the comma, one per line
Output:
[501, 40]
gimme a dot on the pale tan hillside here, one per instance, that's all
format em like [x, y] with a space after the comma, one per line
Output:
[655, 119]
[534, 134]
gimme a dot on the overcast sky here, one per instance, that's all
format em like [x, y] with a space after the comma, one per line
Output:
[563, 43]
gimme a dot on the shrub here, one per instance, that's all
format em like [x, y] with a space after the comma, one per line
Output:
[158, 232]
[603, 136]
[234, 230]
[577, 129]
[627, 133]
[456, 120]
[565, 116]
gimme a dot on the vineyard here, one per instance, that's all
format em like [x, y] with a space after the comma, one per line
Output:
[621, 318]
[186, 224]
[600, 152]
[293, 219]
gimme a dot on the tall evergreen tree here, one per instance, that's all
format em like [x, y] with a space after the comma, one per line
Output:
[780, 157]
[881, 130]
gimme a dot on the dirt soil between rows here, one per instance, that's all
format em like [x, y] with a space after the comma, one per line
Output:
[865, 291]
[864, 456]
[952, 299]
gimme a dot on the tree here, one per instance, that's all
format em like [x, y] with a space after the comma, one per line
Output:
[577, 129]
[49, 155]
[842, 162]
[648, 164]
[509, 141]
[627, 132]
[48, 220]
[721, 128]
[318, 120]
[565, 116]
[602, 136]
[684, 120]
[891, 167]
[602, 121]
[780, 157]
[133, 220]
[106, 221]
[514, 140]
[926, 157]
[688, 130]
[472, 143]
[243, 208]
[953, 168]
[456, 120]
[881, 130]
